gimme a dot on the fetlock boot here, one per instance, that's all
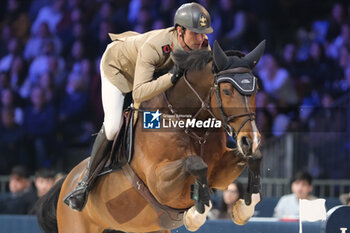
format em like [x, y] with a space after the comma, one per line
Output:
[78, 197]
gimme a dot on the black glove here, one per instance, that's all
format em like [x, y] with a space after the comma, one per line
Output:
[177, 72]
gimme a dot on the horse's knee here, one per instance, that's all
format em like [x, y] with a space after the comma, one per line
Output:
[195, 165]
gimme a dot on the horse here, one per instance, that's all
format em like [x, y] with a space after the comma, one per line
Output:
[168, 182]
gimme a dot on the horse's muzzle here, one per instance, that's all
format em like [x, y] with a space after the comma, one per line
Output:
[249, 144]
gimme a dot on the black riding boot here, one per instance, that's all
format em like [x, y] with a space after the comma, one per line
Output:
[78, 197]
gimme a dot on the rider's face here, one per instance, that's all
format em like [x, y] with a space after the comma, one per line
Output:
[192, 39]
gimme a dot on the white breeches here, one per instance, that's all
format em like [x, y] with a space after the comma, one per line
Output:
[112, 101]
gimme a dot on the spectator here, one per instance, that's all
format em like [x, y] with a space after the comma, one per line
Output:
[36, 43]
[72, 14]
[40, 125]
[9, 99]
[318, 68]
[22, 194]
[47, 84]
[77, 32]
[17, 18]
[230, 196]
[166, 13]
[76, 57]
[12, 140]
[102, 39]
[143, 21]
[18, 72]
[326, 124]
[231, 24]
[289, 59]
[335, 20]
[44, 180]
[73, 108]
[276, 81]
[288, 206]
[345, 199]
[106, 12]
[51, 14]
[41, 64]
[342, 40]
[4, 80]
[14, 49]
[6, 36]
[344, 84]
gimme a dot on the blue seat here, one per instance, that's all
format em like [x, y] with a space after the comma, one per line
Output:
[266, 207]
[332, 202]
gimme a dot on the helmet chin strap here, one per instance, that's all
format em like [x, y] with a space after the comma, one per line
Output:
[183, 38]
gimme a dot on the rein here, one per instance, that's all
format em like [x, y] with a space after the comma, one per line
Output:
[205, 106]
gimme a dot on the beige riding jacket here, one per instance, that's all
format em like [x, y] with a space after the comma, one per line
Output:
[131, 59]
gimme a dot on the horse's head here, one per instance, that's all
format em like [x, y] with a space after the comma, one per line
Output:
[234, 99]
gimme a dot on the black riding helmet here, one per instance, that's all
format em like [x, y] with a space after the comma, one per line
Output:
[194, 17]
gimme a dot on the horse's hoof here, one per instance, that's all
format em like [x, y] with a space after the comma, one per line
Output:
[241, 212]
[237, 217]
[194, 220]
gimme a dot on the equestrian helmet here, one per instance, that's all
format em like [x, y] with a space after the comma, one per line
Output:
[194, 17]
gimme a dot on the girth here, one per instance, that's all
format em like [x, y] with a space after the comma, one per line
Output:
[168, 218]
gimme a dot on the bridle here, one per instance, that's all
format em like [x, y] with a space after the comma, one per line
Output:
[225, 76]
[206, 106]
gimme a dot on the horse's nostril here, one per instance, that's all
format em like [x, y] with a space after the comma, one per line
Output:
[246, 145]
[245, 142]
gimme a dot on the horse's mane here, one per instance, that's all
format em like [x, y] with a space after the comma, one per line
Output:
[193, 60]
[198, 59]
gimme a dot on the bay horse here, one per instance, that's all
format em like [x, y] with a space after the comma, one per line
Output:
[167, 183]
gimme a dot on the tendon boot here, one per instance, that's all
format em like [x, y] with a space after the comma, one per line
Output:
[78, 197]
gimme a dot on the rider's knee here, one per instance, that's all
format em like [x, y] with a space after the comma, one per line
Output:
[111, 130]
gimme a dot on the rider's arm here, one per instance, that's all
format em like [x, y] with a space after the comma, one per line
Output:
[144, 87]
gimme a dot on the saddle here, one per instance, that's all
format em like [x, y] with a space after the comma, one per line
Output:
[122, 148]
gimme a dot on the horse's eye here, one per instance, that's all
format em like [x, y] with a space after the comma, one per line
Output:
[226, 92]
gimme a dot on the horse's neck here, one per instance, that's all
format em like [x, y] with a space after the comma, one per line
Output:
[183, 98]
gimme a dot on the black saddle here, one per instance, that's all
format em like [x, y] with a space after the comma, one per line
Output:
[122, 150]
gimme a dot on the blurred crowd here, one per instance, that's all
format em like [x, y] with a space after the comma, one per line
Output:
[50, 52]
[23, 194]
[24, 191]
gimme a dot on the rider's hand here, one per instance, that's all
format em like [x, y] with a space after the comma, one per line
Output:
[177, 72]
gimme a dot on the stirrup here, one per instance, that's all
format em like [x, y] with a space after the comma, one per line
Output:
[77, 199]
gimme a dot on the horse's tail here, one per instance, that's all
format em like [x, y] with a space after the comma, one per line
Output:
[46, 208]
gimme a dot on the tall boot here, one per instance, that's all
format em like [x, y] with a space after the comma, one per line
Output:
[78, 197]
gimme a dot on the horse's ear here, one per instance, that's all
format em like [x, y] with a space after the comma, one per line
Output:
[254, 56]
[219, 56]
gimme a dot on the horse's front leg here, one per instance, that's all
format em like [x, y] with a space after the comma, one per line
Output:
[200, 193]
[170, 183]
[244, 209]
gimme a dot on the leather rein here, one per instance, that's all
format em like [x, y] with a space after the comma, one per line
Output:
[206, 106]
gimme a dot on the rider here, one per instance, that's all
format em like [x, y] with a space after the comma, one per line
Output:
[128, 64]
